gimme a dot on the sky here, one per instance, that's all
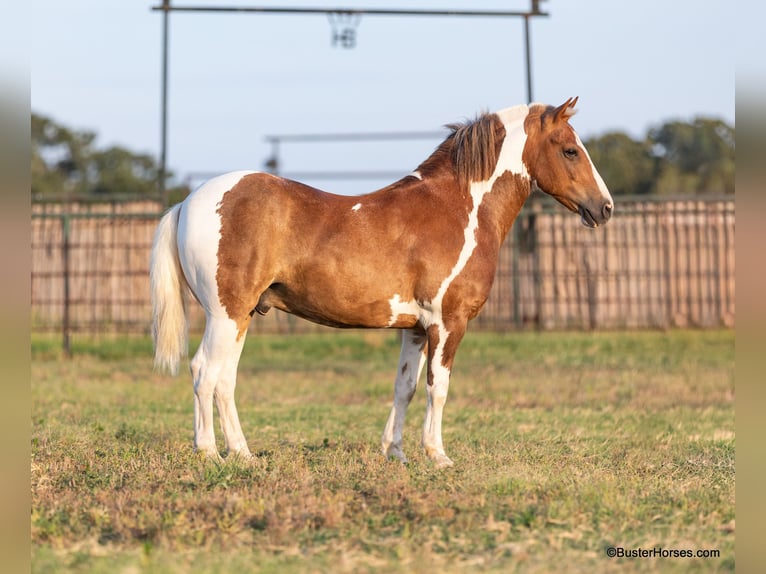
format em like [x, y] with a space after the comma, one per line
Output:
[235, 79]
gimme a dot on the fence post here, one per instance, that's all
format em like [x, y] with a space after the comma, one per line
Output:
[65, 327]
[515, 280]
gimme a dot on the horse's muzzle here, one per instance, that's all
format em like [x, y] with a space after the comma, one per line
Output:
[593, 216]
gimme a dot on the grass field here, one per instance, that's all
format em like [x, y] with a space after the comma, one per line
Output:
[565, 444]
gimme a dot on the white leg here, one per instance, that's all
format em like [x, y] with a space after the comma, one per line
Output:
[218, 344]
[411, 361]
[442, 345]
[432, 428]
[227, 409]
[204, 384]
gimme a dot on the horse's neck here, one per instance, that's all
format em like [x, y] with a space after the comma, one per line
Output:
[500, 207]
[496, 201]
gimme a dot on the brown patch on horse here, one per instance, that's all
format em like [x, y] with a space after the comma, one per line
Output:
[237, 259]
[291, 247]
[500, 207]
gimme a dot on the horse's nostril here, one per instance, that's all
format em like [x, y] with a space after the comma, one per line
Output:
[607, 210]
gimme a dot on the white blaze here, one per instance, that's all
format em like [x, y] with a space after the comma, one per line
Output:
[596, 175]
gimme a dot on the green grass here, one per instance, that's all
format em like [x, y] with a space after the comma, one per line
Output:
[565, 444]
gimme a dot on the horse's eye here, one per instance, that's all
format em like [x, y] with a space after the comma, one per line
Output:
[570, 152]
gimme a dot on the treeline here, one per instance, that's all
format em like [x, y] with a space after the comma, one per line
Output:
[68, 165]
[674, 158]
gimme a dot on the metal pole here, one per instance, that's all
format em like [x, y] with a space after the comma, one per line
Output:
[65, 327]
[164, 121]
[272, 164]
[529, 59]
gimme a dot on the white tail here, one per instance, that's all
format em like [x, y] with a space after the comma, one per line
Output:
[169, 328]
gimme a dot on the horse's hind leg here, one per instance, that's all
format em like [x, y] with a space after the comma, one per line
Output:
[216, 361]
[411, 361]
[227, 409]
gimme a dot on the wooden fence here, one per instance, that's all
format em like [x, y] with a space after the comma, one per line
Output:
[657, 264]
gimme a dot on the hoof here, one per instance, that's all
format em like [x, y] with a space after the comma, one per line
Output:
[243, 455]
[395, 453]
[442, 461]
[439, 459]
[208, 454]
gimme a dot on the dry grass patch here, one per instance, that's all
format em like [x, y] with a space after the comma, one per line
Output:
[565, 445]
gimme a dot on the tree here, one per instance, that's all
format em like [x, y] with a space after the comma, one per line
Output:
[695, 157]
[59, 158]
[67, 164]
[675, 158]
[627, 166]
[121, 171]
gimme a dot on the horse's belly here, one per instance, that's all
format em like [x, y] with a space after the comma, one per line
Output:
[341, 309]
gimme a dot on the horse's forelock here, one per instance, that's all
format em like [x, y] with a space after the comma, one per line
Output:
[476, 147]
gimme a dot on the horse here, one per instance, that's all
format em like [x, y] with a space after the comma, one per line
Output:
[418, 255]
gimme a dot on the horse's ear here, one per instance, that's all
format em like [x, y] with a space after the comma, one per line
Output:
[565, 110]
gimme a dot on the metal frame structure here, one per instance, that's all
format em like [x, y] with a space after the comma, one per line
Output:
[166, 8]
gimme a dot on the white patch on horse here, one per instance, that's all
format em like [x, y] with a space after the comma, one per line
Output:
[508, 160]
[513, 144]
[357, 207]
[416, 174]
[199, 231]
[597, 176]
[399, 307]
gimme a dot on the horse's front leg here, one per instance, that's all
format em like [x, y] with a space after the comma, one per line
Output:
[442, 345]
[411, 362]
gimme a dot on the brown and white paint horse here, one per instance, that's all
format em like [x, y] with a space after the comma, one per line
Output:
[418, 255]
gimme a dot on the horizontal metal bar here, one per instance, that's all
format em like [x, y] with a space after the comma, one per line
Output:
[88, 273]
[360, 136]
[322, 175]
[344, 175]
[342, 10]
[94, 302]
[115, 216]
[119, 248]
[325, 175]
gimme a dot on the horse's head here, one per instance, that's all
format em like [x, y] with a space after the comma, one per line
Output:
[559, 164]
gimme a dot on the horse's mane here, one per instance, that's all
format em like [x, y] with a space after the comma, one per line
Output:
[472, 148]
